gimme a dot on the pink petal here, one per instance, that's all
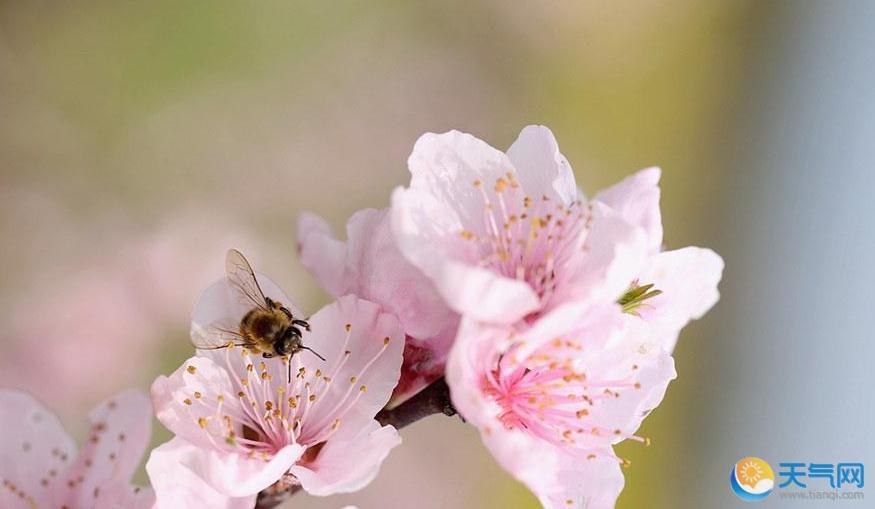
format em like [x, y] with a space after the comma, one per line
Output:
[446, 166]
[655, 369]
[636, 199]
[688, 280]
[435, 249]
[541, 168]
[322, 254]
[349, 461]
[120, 431]
[121, 495]
[178, 410]
[236, 475]
[177, 486]
[442, 202]
[615, 253]
[585, 484]
[33, 445]
[372, 349]
[369, 265]
[372, 267]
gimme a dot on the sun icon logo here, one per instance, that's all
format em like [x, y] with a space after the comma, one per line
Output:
[752, 478]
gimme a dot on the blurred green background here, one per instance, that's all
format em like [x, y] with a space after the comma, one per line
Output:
[140, 140]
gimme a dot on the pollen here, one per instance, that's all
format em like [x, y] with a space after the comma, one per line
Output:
[353, 379]
[386, 340]
[191, 369]
[202, 422]
[363, 388]
[187, 401]
[197, 395]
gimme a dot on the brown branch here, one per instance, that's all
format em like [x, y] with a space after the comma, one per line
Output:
[434, 399]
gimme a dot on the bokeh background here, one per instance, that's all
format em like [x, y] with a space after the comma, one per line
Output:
[140, 140]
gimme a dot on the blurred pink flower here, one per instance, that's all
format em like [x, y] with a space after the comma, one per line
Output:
[242, 426]
[370, 266]
[39, 466]
[508, 236]
[117, 311]
[686, 278]
[550, 400]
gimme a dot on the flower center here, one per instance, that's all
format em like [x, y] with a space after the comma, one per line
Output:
[527, 239]
[545, 395]
[274, 411]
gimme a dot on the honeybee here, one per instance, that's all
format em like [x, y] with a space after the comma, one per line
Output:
[268, 327]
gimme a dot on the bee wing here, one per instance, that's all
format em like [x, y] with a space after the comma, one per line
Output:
[242, 280]
[215, 336]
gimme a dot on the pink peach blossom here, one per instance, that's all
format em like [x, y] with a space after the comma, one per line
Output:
[686, 278]
[39, 465]
[509, 236]
[370, 266]
[551, 400]
[241, 425]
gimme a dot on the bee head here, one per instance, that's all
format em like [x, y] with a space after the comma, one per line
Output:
[289, 342]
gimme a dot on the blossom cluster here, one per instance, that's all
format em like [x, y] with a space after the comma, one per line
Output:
[550, 316]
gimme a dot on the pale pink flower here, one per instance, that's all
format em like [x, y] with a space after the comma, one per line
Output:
[242, 426]
[685, 278]
[551, 400]
[39, 465]
[370, 266]
[509, 236]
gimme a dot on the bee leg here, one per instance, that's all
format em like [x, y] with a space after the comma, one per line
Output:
[302, 323]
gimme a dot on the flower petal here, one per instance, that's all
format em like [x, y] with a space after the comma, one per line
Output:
[362, 346]
[438, 251]
[322, 254]
[120, 430]
[446, 166]
[636, 199]
[541, 168]
[237, 475]
[176, 485]
[369, 265]
[442, 202]
[688, 280]
[349, 461]
[121, 495]
[34, 444]
[615, 253]
[585, 484]
[192, 393]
